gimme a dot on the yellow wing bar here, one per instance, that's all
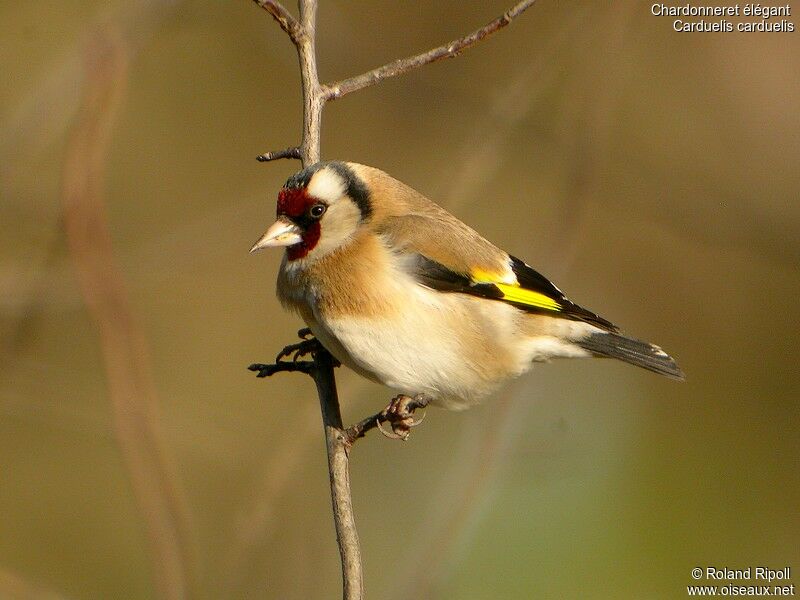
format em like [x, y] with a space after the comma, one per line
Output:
[512, 292]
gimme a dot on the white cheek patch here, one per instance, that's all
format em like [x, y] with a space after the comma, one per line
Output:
[326, 185]
[337, 226]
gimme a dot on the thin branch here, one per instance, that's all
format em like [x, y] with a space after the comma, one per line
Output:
[360, 429]
[339, 471]
[341, 88]
[338, 443]
[313, 97]
[322, 372]
[284, 18]
[293, 152]
[338, 439]
[124, 349]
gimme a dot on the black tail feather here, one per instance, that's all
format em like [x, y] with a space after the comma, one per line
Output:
[635, 352]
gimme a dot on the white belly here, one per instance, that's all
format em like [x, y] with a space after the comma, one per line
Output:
[451, 347]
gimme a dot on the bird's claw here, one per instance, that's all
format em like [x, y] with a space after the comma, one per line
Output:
[400, 416]
[299, 350]
[307, 345]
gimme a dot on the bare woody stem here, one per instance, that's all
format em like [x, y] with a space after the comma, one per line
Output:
[452, 49]
[304, 35]
[338, 439]
[338, 446]
[284, 18]
[293, 152]
[321, 93]
[313, 97]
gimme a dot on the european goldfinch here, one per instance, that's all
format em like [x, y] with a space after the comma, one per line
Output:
[402, 292]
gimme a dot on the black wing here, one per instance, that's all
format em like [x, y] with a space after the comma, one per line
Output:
[436, 276]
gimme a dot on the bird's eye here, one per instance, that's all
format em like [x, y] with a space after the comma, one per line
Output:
[318, 210]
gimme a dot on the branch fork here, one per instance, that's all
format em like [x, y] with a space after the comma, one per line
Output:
[302, 35]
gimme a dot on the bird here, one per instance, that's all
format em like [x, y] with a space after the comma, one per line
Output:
[405, 294]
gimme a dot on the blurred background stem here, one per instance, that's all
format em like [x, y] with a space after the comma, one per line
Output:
[124, 348]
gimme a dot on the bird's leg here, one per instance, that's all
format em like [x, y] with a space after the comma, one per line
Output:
[307, 345]
[400, 415]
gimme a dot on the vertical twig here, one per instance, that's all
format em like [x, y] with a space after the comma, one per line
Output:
[338, 439]
[312, 92]
[339, 470]
[335, 439]
[303, 35]
[124, 349]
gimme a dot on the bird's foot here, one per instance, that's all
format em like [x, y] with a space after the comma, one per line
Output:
[307, 345]
[400, 415]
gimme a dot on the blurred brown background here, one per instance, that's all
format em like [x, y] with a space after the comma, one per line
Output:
[652, 174]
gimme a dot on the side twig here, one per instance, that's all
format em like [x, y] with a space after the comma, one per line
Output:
[293, 152]
[452, 49]
[284, 18]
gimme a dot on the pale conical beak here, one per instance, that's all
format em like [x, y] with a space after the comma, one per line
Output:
[281, 233]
